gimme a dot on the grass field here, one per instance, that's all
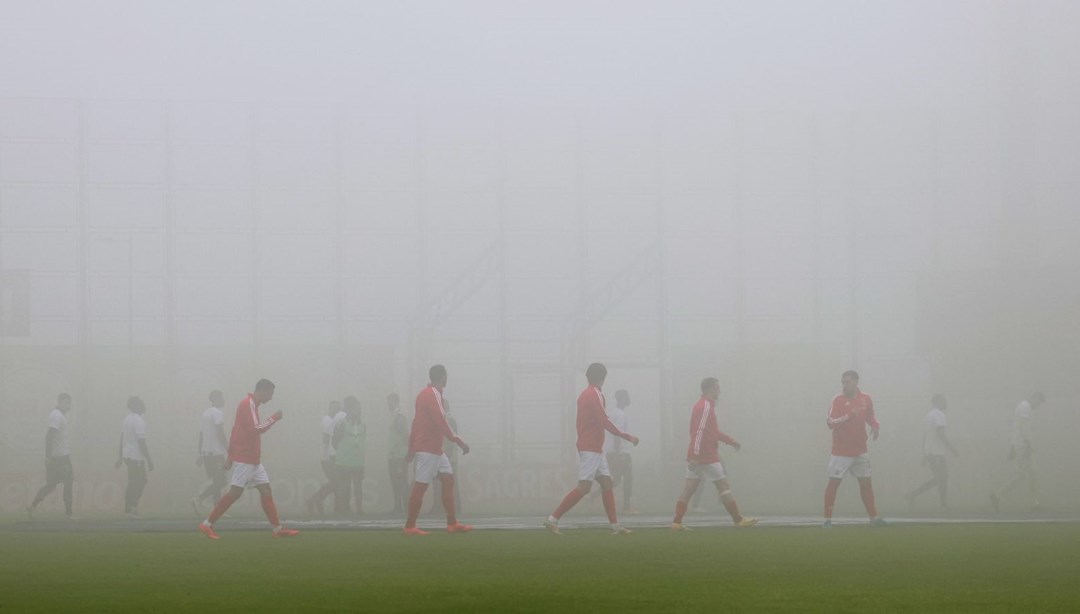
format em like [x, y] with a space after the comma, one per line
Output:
[973, 568]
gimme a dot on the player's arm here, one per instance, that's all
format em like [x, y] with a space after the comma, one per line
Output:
[221, 436]
[836, 415]
[120, 453]
[871, 419]
[399, 426]
[339, 434]
[50, 436]
[946, 441]
[714, 432]
[448, 432]
[146, 452]
[610, 427]
[199, 459]
[265, 425]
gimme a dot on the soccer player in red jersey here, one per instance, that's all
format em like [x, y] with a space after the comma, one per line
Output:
[429, 428]
[592, 421]
[245, 453]
[703, 457]
[850, 414]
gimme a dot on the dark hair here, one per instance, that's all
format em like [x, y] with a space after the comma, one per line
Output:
[63, 396]
[437, 373]
[596, 373]
[937, 400]
[622, 396]
[708, 383]
[264, 384]
[134, 403]
[850, 373]
[393, 396]
[352, 403]
[1037, 398]
[214, 393]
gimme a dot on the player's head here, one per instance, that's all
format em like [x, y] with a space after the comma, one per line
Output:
[1036, 399]
[938, 401]
[710, 388]
[333, 408]
[596, 374]
[136, 406]
[264, 391]
[63, 402]
[622, 399]
[393, 401]
[850, 382]
[217, 399]
[352, 407]
[437, 376]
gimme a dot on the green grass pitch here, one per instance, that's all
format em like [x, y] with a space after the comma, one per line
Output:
[972, 568]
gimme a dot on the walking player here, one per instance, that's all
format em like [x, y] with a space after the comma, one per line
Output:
[245, 455]
[135, 454]
[57, 457]
[212, 449]
[703, 457]
[429, 428]
[592, 421]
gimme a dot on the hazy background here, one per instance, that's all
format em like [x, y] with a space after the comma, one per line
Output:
[334, 195]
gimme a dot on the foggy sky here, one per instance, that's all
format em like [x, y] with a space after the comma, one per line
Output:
[888, 186]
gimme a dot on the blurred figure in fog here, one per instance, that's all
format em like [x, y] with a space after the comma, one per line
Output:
[334, 416]
[212, 449]
[58, 469]
[350, 443]
[396, 451]
[935, 444]
[135, 454]
[618, 450]
[1022, 453]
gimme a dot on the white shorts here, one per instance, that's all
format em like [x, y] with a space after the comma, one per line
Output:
[858, 466]
[429, 465]
[711, 472]
[592, 465]
[248, 476]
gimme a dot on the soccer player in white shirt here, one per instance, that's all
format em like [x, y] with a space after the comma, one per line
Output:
[135, 454]
[335, 417]
[57, 457]
[618, 451]
[213, 447]
[935, 444]
[1021, 452]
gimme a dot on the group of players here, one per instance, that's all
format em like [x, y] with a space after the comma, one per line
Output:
[851, 419]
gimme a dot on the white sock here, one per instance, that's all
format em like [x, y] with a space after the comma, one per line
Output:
[277, 528]
[206, 523]
[553, 520]
[615, 525]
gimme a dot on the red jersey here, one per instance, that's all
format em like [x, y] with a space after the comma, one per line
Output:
[245, 444]
[429, 427]
[848, 419]
[705, 434]
[592, 421]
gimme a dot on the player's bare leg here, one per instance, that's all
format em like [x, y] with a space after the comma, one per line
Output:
[270, 509]
[866, 492]
[607, 494]
[830, 500]
[689, 488]
[416, 500]
[222, 506]
[728, 500]
[571, 499]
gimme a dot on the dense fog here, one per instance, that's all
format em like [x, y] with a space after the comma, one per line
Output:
[336, 195]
